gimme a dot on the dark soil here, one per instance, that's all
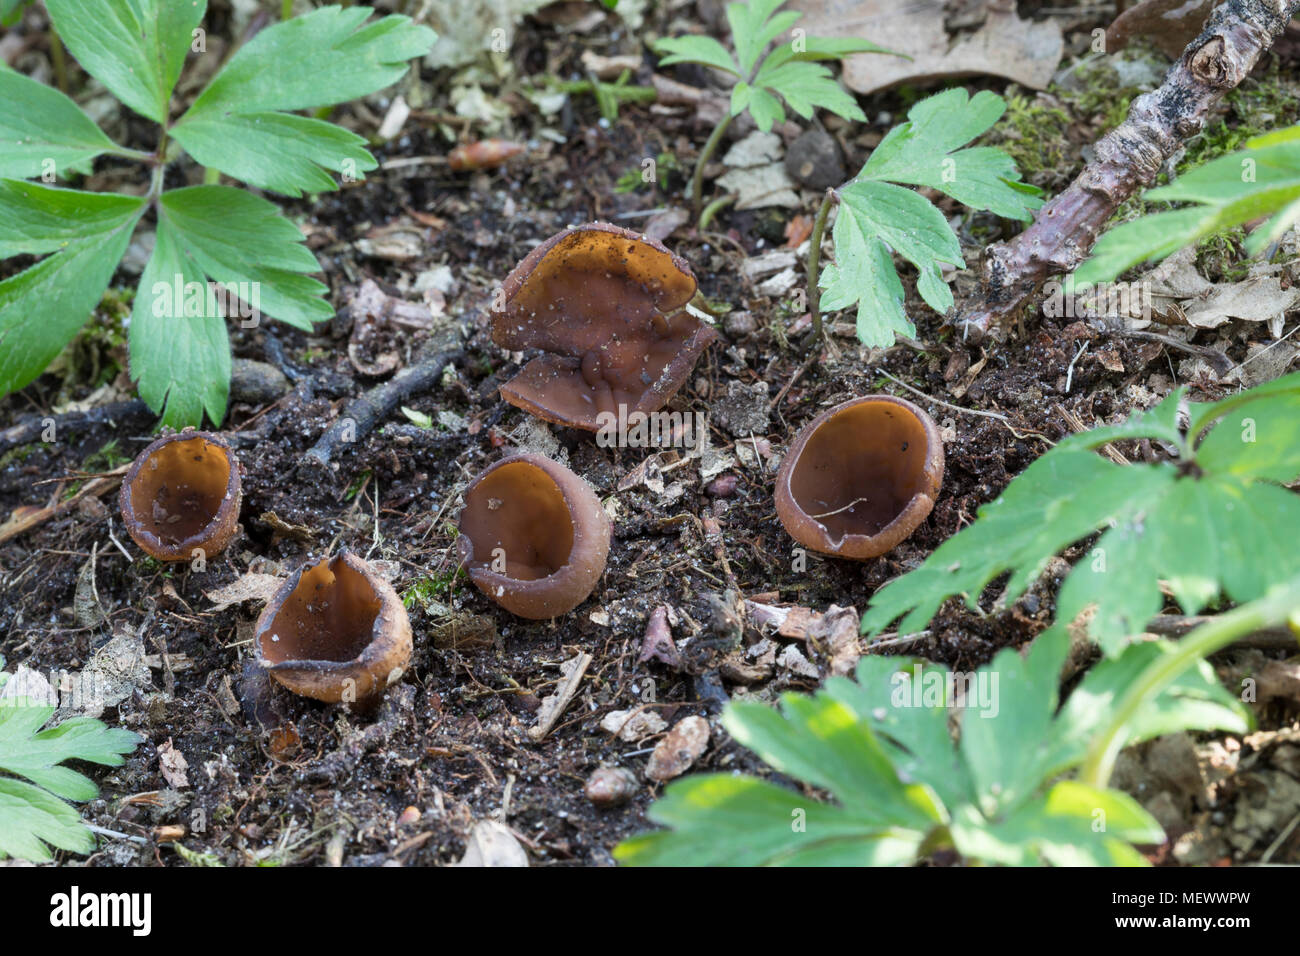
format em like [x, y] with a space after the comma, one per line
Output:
[276, 778]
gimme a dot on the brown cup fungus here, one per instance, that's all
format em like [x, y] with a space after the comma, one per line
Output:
[180, 497]
[533, 536]
[335, 631]
[860, 477]
[607, 307]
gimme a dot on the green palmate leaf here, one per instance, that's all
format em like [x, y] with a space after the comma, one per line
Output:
[31, 814]
[1216, 523]
[328, 56]
[762, 105]
[136, 48]
[721, 820]
[806, 86]
[42, 307]
[822, 48]
[877, 217]
[11, 11]
[879, 213]
[27, 751]
[841, 755]
[1018, 707]
[882, 748]
[924, 152]
[753, 27]
[42, 131]
[788, 73]
[864, 275]
[280, 151]
[1194, 699]
[31, 817]
[180, 353]
[1061, 828]
[1261, 180]
[242, 242]
[693, 49]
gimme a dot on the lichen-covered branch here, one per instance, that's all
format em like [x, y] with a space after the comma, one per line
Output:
[1127, 159]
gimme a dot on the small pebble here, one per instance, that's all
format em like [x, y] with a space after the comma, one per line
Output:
[610, 786]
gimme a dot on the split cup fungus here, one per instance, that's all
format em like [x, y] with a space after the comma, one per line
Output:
[181, 496]
[335, 631]
[533, 536]
[607, 307]
[860, 477]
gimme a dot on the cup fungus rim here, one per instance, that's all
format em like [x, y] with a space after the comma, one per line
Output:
[370, 654]
[230, 501]
[524, 269]
[529, 586]
[657, 393]
[853, 545]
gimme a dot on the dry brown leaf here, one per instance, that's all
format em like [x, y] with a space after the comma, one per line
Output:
[172, 765]
[1020, 50]
[1255, 299]
[1169, 24]
[248, 587]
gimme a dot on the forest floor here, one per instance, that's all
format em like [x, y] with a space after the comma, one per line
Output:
[276, 779]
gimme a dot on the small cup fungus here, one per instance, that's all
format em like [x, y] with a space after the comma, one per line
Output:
[533, 536]
[181, 496]
[607, 308]
[335, 631]
[860, 477]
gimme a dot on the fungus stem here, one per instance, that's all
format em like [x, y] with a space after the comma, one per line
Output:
[711, 147]
[1214, 635]
[814, 263]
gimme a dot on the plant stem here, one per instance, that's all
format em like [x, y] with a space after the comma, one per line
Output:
[59, 60]
[160, 167]
[286, 10]
[713, 208]
[1212, 636]
[630, 93]
[697, 180]
[814, 264]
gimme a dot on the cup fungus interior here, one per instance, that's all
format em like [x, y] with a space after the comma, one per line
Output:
[178, 491]
[519, 509]
[604, 305]
[330, 615]
[861, 468]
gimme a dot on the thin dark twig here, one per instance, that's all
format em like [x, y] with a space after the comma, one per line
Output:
[365, 411]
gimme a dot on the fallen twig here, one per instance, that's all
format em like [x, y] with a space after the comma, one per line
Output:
[553, 706]
[24, 520]
[30, 430]
[365, 411]
[1265, 639]
[1127, 158]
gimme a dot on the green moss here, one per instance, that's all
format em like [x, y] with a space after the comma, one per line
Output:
[1220, 258]
[1033, 134]
[436, 588]
[1258, 105]
[97, 354]
[21, 453]
[357, 483]
[665, 164]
